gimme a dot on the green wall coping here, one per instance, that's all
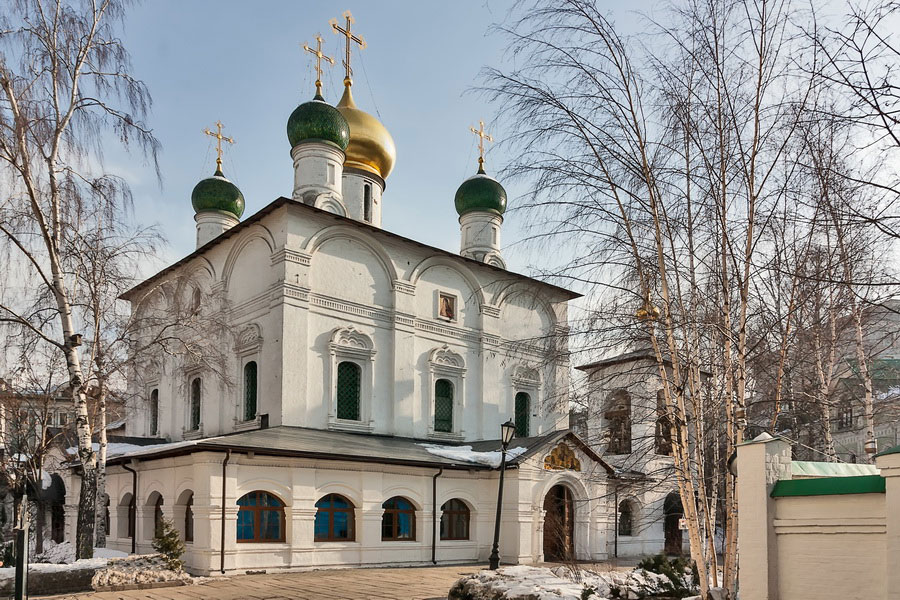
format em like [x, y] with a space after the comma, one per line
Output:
[828, 486]
[894, 450]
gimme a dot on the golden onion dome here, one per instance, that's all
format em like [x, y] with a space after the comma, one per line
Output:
[371, 147]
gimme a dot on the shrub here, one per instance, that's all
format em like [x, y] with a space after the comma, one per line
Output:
[676, 571]
[168, 543]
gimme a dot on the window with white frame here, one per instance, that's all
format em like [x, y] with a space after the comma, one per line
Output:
[249, 342]
[447, 371]
[352, 355]
[526, 390]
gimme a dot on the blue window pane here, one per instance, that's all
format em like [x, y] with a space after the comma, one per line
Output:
[339, 501]
[342, 525]
[387, 525]
[404, 526]
[270, 500]
[245, 525]
[271, 526]
[321, 525]
[402, 504]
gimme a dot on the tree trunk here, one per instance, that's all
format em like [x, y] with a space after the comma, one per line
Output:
[101, 469]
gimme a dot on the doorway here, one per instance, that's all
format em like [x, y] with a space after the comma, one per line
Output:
[673, 512]
[559, 525]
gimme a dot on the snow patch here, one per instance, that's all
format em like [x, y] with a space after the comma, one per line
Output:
[560, 583]
[466, 454]
[123, 449]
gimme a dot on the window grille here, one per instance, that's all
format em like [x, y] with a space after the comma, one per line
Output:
[443, 406]
[250, 380]
[349, 376]
[523, 414]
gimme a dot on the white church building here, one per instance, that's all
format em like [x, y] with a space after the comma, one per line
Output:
[366, 377]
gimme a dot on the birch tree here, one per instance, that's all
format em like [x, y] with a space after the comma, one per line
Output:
[65, 92]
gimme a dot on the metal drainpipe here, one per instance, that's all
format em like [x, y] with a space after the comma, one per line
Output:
[616, 519]
[133, 499]
[222, 539]
[434, 515]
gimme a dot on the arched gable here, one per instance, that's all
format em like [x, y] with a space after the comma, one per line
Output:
[524, 315]
[475, 287]
[255, 232]
[349, 265]
[351, 233]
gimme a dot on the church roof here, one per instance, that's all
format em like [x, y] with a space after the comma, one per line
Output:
[302, 442]
[282, 201]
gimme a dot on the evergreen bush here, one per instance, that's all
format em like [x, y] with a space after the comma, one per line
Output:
[168, 543]
[676, 571]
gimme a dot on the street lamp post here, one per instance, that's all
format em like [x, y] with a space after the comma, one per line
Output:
[507, 430]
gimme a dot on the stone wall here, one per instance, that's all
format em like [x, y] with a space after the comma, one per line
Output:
[820, 538]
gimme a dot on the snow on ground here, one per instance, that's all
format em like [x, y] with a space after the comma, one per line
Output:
[65, 553]
[540, 583]
[466, 454]
[149, 568]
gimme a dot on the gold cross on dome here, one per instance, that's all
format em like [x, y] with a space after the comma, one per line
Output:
[482, 136]
[345, 31]
[317, 52]
[219, 137]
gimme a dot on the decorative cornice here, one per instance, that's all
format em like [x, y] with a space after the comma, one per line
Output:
[404, 287]
[291, 256]
[446, 358]
[489, 310]
[250, 337]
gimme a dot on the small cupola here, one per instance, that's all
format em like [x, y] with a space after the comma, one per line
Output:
[218, 203]
[480, 203]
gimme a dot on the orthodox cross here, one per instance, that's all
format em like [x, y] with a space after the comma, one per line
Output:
[219, 137]
[317, 52]
[345, 31]
[482, 136]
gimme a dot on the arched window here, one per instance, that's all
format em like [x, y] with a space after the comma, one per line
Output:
[250, 381]
[334, 519]
[523, 414]
[349, 377]
[626, 518]
[189, 519]
[845, 416]
[398, 522]
[158, 517]
[663, 428]
[260, 518]
[443, 406]
[367, 203]
[454, 520]
[196, 299]
[195, 404]
[618, 422]
[154, 412]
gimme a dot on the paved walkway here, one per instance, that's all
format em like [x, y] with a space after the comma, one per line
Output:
[413, 583]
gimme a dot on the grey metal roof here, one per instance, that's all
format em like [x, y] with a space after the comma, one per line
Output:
[347, 446]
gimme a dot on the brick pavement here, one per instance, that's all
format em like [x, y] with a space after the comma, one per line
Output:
[412, 583]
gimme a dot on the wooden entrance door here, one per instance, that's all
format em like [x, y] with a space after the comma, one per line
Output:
[673, 512]
[559, 524]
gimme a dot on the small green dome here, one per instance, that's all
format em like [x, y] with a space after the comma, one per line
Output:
[318, 120]
[480, 193]
[217, 193]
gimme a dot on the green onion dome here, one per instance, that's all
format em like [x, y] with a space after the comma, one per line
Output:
[318, 120]
[480, 193]
[217, 193]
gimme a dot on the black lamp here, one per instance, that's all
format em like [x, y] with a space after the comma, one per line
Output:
[507, 431]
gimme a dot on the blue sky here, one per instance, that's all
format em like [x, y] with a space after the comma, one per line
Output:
[241, 62]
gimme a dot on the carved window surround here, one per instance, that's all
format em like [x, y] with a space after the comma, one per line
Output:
[444, 363]
[351, 344]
